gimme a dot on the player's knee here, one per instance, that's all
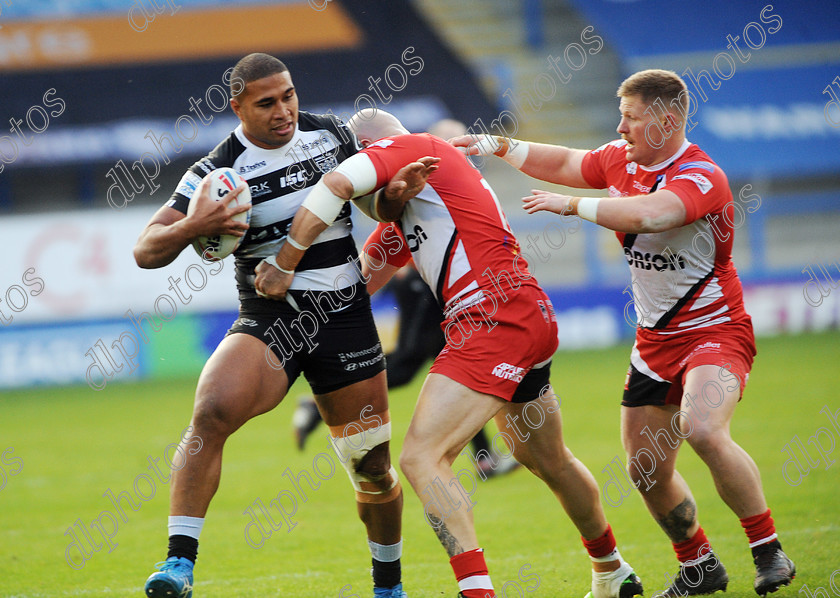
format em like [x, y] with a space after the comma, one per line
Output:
[410, 461]
[367, 460]
[706, 440]
[376, 463]
[211, 419]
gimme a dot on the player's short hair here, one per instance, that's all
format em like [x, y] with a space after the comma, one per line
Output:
[252, 67]
[656, 83]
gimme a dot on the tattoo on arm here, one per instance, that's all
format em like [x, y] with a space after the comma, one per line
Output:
[447, 540]
[679, 520]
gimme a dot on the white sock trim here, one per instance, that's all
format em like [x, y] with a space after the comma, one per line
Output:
[386, 553]
[476, 582]
[615, 555]
[766, 540]
[181, 525]
[702, 559]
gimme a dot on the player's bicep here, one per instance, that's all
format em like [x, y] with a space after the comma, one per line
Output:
[361, 173]
[666, 210]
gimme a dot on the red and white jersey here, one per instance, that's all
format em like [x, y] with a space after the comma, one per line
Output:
[683, 278]
[454, 229]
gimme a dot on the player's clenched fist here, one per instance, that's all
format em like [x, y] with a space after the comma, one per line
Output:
[272, 281]
[481, 145]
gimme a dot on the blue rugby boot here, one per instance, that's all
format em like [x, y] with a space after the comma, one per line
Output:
[395, 592]
[174, 580]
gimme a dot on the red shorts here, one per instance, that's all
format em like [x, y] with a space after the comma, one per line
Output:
[659, 363]
[493, 345]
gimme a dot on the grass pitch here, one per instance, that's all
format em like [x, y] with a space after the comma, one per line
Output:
[75, 445]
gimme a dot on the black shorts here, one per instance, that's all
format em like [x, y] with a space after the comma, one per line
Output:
[532, 384]
[332, 354]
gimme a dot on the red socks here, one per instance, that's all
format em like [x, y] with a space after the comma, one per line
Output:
[471, 573]
[602, 546]
[692, 549]
[759, 529]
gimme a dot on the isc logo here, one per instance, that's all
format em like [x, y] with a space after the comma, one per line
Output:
[416, 238]
[293, 179]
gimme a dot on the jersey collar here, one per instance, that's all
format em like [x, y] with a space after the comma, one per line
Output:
[665, 163]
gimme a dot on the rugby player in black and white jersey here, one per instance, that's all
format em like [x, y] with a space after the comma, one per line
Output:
[281, 153]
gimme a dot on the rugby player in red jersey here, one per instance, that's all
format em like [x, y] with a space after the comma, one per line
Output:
[673, 213]
[500, 332]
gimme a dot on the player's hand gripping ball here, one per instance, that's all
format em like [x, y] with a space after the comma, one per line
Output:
[221, 181]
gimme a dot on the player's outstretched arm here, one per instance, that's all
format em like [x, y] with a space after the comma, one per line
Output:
[376, 273]
[656, 212]
[169, 231]
[354, 177]
[551, 163]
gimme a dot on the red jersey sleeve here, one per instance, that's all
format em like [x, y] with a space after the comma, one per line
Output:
[392, 153]
[702, 187]
[593, 167]
[387, 243]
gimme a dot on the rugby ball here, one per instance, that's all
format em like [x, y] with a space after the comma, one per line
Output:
[221, 182]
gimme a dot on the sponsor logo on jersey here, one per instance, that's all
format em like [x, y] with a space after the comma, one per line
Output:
[640, 187]
[702, 165]
[702, 182]
[293, 179]
[250, 167]
[616, 193]
[506, 371]
[206, 165]
[259, 190]
[657, 261]
[631, 167]
[415, 238]
[188, 184]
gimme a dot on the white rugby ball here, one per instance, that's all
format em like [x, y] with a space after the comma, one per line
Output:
[221, 181]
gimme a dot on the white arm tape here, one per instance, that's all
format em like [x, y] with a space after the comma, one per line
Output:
[361, 172]
[323, 203]
[517, 153]
[587, 208]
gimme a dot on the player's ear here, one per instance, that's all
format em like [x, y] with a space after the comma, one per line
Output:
[235, 106]
[670, 122]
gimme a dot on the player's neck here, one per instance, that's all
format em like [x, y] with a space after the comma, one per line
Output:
[670, 151]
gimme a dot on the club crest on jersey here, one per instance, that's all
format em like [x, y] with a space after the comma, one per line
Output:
[326, 163]
[631, 167]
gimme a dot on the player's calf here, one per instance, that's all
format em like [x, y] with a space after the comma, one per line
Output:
[639, 473]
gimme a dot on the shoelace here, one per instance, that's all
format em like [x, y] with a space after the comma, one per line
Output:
[167, 565]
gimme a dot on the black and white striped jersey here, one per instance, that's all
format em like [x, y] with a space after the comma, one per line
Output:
[279, 180]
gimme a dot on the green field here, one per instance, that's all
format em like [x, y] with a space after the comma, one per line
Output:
[76, 444]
